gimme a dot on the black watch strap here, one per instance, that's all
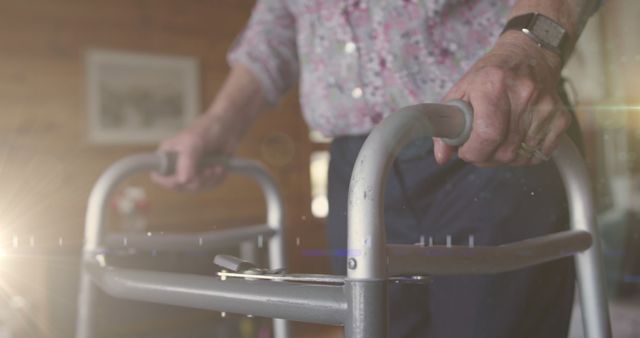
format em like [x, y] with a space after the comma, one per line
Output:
[543, 30]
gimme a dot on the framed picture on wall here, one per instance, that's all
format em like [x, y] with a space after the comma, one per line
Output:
[136, 98]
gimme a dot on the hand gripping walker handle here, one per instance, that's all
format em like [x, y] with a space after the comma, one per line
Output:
[367, 251]
[171, 160]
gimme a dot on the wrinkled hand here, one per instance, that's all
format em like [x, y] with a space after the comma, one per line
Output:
[191, 145]
[513, 91]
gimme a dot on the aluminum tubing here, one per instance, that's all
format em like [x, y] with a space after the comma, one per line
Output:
[275, 220]
[98, 200]
[366, 234]
[370, 317]
[367, 250]
[202, 241]
[366, 254]
[323, 304]
[93, 231]
[591, 285]
[443, 260]
[275, 207]
[165, 163]
[85, 325]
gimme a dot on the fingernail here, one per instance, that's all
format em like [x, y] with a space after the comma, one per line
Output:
[439, 155]
[437, 149]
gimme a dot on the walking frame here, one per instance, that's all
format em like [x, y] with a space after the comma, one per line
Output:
[357, 301]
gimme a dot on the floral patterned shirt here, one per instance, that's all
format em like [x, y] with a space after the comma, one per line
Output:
[358, 61]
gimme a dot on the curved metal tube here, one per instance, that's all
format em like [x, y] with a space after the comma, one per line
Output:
[366, 190]
[367, 252]
[164, 163]
[323, 304]
[591, 284]
[103, 189]
[94, 241]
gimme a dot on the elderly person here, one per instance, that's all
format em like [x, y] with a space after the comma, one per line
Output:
[358, 61]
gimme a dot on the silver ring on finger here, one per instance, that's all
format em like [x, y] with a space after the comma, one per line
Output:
[540, 155]
[531, 152]
[526, 150]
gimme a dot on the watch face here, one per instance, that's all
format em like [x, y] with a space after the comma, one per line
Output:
[547, 30]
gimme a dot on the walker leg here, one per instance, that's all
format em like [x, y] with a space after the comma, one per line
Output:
[281, 327]
[367, 316]
[85, 313]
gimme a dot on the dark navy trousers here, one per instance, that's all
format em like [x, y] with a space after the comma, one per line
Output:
[495, 206]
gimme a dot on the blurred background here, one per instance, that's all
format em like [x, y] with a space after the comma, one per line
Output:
[86, 82]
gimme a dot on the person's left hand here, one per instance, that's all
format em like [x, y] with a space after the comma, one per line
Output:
[518, 115]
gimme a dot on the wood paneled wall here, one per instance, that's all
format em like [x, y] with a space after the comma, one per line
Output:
[47, 166]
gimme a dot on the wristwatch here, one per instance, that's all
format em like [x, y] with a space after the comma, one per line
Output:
[543, 30]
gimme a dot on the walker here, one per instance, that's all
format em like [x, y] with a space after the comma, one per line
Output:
[357, 301]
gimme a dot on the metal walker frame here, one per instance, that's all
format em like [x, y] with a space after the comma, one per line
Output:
[359, 300]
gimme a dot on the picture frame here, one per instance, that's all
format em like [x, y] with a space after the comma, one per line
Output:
[139, 98]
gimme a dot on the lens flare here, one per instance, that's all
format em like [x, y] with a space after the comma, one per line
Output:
[613, 107]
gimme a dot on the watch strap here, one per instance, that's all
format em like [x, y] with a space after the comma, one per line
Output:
[552, 37]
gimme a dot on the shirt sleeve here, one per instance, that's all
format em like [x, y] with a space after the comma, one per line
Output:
[597, 6]
[267, 46]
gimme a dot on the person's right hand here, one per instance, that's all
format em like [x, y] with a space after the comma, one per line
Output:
[202, 138]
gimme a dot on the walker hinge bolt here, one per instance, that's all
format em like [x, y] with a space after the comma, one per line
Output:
[352, 263]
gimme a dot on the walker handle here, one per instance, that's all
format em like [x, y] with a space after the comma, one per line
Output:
[367, 249]
[467, 111]
[171, 160]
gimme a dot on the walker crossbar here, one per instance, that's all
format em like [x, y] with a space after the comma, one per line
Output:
[360, 302]
[452, 260]
[203, 241]
[323, 304]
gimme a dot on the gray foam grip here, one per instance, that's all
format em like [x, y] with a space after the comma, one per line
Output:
[467, 110]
